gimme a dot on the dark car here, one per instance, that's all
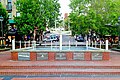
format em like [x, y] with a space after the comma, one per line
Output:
[79, 38]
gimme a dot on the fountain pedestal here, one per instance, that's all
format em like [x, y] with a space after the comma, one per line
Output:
[59, 55]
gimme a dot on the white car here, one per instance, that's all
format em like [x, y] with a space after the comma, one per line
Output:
[51, 37]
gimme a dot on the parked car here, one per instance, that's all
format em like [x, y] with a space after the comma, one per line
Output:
[79, 38]
[51, 37]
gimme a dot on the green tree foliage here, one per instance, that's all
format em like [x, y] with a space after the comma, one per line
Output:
[100, 16]
[39, 13]
[4, 14]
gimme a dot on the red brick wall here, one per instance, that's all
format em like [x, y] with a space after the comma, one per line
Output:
[106, 55]
[14, 56]
[51, 56]
[69, 56]
[33, 56]
[87, 56]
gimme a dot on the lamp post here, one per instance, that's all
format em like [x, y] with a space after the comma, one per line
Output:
[1, 19]
[55, 23]
[119, 30]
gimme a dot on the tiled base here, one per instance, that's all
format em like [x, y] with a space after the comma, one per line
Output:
[60, 56]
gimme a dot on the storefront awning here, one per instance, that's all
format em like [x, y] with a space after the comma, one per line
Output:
[11, 21]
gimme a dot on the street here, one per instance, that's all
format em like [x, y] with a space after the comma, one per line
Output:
[66, 40]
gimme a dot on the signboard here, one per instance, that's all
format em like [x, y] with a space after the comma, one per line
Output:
[24, 56]
[96, 56]
[78, 56]
[60, 56]
[42, 56]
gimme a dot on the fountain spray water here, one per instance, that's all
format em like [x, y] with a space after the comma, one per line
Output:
[100, 44]
[13, 44]
[25, 44]
[20, 44]
[69, 45]
[87, 45]
[76, 43]
[106, 46]
[95, 44]
[33, 44]
[89, 42]
[61, 32]
[51, 45]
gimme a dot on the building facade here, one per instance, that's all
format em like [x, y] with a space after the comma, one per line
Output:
[9, 5]
[11, 8]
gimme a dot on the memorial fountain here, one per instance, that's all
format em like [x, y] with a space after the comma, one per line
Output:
[64, 53]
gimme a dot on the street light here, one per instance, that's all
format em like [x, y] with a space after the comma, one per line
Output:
[55, 21]
[1, 19]
[119, 30]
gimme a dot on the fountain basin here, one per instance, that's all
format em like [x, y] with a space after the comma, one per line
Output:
[55, 54]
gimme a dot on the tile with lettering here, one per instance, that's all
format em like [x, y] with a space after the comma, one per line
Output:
[42, 56]
[60, 56]
[78, 56]
[23, 56]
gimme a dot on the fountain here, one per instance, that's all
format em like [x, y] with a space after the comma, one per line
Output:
[67, 53]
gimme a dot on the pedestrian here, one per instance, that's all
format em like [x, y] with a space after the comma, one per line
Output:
[7, 41]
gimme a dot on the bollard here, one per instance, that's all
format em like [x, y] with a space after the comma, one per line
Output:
[87, 45]
[106, 46]
[76, 44]
[33, 44]
[60, 41]
[25, 44]
[51, 45]
[95, 44]
[45, 44]
[20, 44]
[89, 42]
[100, 44]
[92, 43]
[69, 45]
[13, 44]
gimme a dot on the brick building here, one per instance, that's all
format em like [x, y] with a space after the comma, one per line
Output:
[10, 7]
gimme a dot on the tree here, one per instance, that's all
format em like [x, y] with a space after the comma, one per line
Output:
[39, 13]
[95, 15]
[4, 14]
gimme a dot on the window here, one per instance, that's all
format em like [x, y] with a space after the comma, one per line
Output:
[10, 15]
[17, 14]
[9, 6]
[9, 1]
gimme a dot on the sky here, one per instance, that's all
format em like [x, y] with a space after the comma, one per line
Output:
[64, 6]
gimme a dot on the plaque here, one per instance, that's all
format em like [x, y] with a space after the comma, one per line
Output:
[23, 56]
[42, 56]
[96, 56]
[60, 56]
[78, 56]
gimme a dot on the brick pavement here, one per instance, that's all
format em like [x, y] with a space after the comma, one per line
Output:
[65, 79]
[6, 64]
[5, 60]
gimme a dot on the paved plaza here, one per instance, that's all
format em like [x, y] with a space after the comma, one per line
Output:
[8, 67]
